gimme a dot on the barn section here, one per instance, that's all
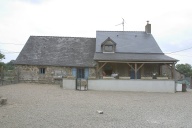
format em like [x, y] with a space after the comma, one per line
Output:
[48, 59]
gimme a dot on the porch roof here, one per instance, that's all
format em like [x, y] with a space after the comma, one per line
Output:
[133, 57]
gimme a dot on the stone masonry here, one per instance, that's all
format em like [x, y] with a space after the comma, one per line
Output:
[31, 74]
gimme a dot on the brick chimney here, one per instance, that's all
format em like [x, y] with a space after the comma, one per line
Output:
[148, 28]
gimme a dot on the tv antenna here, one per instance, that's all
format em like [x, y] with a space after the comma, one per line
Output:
[123, 22]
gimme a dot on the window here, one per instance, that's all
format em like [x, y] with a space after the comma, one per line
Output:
[108, 48]
[42, 70]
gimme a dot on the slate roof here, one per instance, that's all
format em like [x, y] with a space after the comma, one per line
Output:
[130, 46]
[133, 57]
[58, 51]
[129, 41]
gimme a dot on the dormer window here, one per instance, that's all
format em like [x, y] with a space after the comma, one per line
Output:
[108, 46]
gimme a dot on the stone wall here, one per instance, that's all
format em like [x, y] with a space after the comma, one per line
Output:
[53, 74]
[29, 73]
[92, 72]
[167, 70]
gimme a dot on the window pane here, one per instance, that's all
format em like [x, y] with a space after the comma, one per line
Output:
[42, 70]
[108, 48]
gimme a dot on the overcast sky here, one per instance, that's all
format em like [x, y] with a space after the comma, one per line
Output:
[171, 21]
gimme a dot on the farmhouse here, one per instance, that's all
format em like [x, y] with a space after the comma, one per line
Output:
[114, 60]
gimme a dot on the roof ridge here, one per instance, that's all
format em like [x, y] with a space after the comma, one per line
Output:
[62, 36]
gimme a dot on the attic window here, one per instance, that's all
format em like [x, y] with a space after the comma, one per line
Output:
[108, 45]
[41, 70]
[108, 48]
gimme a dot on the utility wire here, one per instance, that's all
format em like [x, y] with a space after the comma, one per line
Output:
[182, 55]
[179, 50]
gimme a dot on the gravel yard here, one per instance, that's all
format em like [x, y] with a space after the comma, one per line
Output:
[49, 106]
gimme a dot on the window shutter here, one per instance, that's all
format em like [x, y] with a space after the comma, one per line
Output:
[86, 73]
[74, 72]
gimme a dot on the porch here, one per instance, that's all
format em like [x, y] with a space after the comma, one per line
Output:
[135, 70]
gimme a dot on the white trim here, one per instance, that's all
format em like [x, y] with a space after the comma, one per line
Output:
[108, 52]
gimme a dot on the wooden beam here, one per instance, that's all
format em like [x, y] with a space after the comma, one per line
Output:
[101, 66]
[150, 62]
[131, 66]
[140, 67]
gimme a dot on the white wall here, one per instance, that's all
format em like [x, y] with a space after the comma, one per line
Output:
[133, 85]
[179, 87]
[69, 84]
[126, 85]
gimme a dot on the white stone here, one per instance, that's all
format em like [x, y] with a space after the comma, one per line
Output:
[100, 112]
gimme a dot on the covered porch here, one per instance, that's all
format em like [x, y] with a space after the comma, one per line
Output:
[135, 70]
[138, 76]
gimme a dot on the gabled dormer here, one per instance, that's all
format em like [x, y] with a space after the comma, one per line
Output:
[108, 46]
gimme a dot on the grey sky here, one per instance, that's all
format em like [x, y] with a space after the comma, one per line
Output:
[171, 21]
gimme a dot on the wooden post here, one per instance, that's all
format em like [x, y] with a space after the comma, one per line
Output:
[173, 72]
[160, 69]
[135, 70]
[99, 68]
[97, 72]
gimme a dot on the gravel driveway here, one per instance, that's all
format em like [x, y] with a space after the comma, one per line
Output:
[49, 106]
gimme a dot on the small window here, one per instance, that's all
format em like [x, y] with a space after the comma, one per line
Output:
[42, 70]
[108, 48]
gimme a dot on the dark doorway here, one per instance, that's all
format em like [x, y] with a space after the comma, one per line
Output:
[80, 73]
[81, 80]
[132, 73]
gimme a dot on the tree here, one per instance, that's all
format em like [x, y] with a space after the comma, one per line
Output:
[1, 57]
[9, 65]
[186, 69]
